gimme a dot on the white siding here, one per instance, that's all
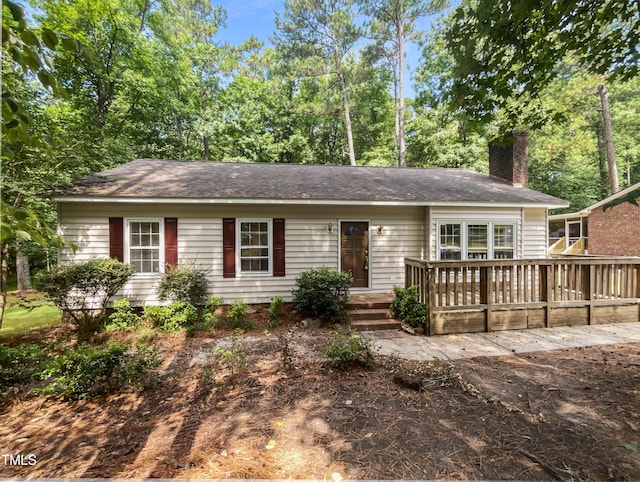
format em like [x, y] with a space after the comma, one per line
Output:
[534, 233]
[308, 243]
[478, 215]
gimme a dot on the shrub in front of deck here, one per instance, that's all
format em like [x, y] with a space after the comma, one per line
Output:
[83, 291]
[407, 307]
[185, 283]
[322, 293]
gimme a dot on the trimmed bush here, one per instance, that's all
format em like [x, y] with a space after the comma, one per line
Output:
[322, 293]
[185, 283]
[214, 302]
[406, 306]
[82, 291]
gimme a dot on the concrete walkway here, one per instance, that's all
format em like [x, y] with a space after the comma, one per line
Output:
[451, 347]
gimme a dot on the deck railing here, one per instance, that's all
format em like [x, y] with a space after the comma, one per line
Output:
[469, 296]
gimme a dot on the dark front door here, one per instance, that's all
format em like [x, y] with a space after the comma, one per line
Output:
[355, 252]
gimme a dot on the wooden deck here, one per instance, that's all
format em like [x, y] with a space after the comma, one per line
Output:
[474, 296]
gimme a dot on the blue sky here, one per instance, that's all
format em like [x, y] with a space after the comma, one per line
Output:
[257, 17]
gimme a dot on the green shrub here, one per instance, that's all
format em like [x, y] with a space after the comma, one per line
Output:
[176, 316]
[82, 291]
[237, 316]
[20, 364]
[187, 283]
[234, 358]
[349, 350]
[406, 306]
[123, 317]
[214, 302]
[86, 371]
[276, 310]
[322, 293]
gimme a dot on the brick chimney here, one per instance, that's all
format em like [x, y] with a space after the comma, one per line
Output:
[508, 158]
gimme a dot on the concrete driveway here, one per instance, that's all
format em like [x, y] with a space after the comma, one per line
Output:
[451, 347]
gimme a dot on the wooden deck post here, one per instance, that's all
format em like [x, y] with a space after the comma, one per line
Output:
[545, 291]
[588, 277]
[430, 295]
[486, 295]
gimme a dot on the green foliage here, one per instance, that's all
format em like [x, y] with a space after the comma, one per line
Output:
[237, 316]
[322, 293]
[172, 318]
[349, 350]
[276, 309]
[86, 371]
[407, 307]
[214, 302]
[504, 50]
[234, 358]
[123, 317]
[82, 291]
[20, 364]
[188, 284]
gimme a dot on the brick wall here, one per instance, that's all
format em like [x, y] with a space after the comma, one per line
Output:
[510, 161]
[616, 231]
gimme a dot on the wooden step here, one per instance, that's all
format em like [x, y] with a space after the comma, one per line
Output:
[367, 305]
[372, 325]
[370, 314]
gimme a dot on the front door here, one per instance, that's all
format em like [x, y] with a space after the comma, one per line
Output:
[355, 252]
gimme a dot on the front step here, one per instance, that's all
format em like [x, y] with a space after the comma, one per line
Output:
[372, 325]
[367, 316]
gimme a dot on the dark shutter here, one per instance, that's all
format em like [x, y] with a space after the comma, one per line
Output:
[229, 247]
[278, 247]
[116, 238]
[170, 242]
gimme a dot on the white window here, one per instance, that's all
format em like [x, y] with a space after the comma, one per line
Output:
[254, 255]
[480, 241]
[144, 250]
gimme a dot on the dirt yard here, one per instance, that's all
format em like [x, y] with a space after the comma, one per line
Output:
[565, 415]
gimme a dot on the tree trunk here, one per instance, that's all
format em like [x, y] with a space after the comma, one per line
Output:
[401, 137]
[205, 139]
[4, 275]
[345, 107]
[608, 139]
[23, 271]
[602, 168]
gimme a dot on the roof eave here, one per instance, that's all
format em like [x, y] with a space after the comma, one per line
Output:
[307, 202]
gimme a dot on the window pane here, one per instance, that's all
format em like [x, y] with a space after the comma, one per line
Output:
[477, 244]
[450, 242]
[144, 249]
[254, 246]
[503, 241]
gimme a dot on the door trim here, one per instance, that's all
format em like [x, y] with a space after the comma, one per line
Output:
[369, 275]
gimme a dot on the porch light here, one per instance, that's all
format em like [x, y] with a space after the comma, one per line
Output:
[330, 228]
[380, 228]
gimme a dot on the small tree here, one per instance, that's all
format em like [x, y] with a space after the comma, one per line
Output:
[83, 291]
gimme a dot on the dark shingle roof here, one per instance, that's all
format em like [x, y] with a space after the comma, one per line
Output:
[146, 178]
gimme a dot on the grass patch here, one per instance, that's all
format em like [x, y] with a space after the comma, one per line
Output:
[25, 313]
